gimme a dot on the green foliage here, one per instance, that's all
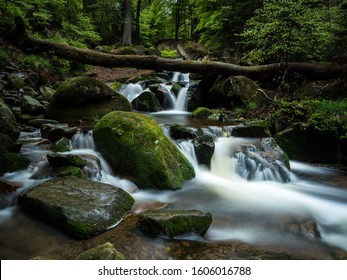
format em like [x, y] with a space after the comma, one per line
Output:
[284, 30]
[322, 117]
[3, 57]
[167, 52]
[239, 112]
[82, 30]
[35, 62]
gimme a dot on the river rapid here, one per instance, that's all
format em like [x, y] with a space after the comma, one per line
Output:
[250, 217]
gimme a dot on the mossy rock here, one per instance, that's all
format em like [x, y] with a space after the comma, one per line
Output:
[136, 147]
[11, 162]
[70, 171]
[174, 223]
[59, 160]
[303, 144]
[62, 145]
[146, 102]
[235, 92]
[202, 113]
[8, 123]
[105, 251]
[78, 207]
[85, 98]
[256, 129]
[178, 131]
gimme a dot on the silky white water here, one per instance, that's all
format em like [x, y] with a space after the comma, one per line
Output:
[242, 209]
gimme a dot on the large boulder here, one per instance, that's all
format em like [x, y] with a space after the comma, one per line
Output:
[136, 147]
[85, 98]
[31, 106]
[174, 223]
[235, 91]
[78, 207]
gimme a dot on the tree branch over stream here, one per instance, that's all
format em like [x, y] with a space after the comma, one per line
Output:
[312, 71]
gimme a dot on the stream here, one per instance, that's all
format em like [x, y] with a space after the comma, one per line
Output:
[258, 212]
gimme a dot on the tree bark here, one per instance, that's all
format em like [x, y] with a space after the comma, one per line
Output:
[311, 71]
[127, 23]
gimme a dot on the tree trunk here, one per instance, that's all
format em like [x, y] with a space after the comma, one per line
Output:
[127, 23]
[137, 36]
[311, 71]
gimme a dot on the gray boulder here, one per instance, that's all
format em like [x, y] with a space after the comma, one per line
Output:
[78, 207]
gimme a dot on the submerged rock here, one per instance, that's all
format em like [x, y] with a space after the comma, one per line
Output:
[105, 251]
[78, 207]
[137, 148]
[85, 99]
[174, 223]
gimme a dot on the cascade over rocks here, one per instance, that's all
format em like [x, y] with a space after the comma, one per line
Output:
[78, 207]
[85, 98]
[137, 148]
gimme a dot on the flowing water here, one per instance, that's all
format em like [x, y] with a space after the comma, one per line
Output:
[260, 210]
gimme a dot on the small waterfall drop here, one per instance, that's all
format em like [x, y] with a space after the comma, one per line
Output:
[131, 91]
[181, 100]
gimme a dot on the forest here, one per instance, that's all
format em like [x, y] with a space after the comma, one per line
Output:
[173, 129]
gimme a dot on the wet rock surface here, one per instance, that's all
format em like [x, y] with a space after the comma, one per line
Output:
[78, 207]
[174, 223]
[135, 146]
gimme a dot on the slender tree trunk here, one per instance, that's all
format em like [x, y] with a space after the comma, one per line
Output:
[137, 36]
[127, 23]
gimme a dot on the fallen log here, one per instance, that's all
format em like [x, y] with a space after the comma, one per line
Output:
[312, 71]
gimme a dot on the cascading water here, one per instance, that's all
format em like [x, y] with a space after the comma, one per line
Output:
[131, 91]
[248, 198]
[263, 197]
[171, 102]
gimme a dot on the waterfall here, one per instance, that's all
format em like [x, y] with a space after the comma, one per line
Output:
[181, 101]
[131, 91]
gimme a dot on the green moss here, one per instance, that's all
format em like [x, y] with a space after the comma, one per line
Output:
[323, 125]
[70, 171]
[174, 223]
[103, 252]
[13, 162]
[83, 98]
[136, 147]
[62, 145]
[202, 113]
